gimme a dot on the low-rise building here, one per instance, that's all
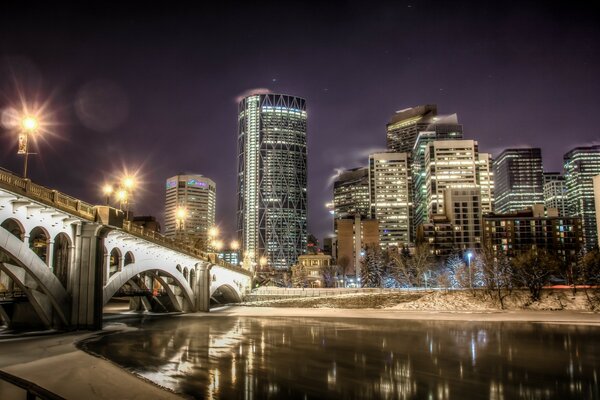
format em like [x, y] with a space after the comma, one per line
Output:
[314, 264]
[519, 232]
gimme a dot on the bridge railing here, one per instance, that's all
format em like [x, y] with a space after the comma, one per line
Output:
[47, 196]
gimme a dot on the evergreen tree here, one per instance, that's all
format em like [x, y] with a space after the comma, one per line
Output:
[373, 267]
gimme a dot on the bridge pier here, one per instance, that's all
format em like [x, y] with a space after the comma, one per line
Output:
[203, 287]
[87, 278]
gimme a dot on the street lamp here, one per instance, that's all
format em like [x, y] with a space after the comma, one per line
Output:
[263, 262]
[107, 190]
[180, 215]
[121, 197]
[29, 126]
[469, 255]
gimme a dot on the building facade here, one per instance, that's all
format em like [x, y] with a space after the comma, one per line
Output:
[517, 233]
[272, 179]
[353, 235]
[555, 193]
[390, 193]
[581, 165]
[314, 265]
[351, 194]
[519, 179]
[485, 167]
[449, 164]
[463, 210]
[197, 196]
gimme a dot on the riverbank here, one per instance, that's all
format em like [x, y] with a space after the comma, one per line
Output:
[55, 363]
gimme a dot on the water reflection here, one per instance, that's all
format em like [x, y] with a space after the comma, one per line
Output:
[255, 358]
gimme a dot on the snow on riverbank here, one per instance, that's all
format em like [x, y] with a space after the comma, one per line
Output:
[436, 301]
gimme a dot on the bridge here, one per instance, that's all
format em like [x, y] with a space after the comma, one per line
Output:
[62, 260]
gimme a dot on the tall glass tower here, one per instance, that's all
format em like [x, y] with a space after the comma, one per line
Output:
[272, 198]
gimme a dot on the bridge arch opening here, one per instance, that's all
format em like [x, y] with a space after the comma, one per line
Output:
[62, 248]
[15, 227]
[114, 262]
[39, 240]
[225, 294]
[179, 268]
[129, 258]
[193, 279]
[186, 274]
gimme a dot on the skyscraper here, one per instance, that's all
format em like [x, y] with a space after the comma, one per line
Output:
[555, 193]
[486, 182]
[196, 194]
[449, 164]
[519, 180]
[405, 126]
[390, 180]
[272, 198]
[351, 194]
[581, 165]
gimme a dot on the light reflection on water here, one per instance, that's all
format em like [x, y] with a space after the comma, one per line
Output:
[256, 358]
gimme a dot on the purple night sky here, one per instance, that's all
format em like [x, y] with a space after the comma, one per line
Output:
[155, 89]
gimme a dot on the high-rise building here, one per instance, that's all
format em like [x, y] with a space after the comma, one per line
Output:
[390, 181]
[353, 235]
[486, 182]
[449, 164]
[196, 195]
[555, 193]
[581, 165]
[519, 179]
[596, 181]
[272, 198]
[405, 126]
[463, 210]
[351, 194]
[419, 172]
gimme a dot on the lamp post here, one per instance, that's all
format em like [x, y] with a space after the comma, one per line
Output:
[107, 190]
[263, 262]
[469, 255]
[180, 215]
[235, 246]
[29, 126]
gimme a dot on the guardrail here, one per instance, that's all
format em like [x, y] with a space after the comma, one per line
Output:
[87, 211]
[32, 390]
[47, 196]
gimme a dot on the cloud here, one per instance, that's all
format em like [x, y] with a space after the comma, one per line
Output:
[249, 92]
[353, 159]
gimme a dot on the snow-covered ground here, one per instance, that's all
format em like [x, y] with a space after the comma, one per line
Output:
[464, 300]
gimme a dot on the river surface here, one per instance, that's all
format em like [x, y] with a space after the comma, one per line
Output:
[335, 358]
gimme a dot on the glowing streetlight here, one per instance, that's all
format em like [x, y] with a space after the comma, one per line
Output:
[107, 190]
[213, 232]
[262, 261]
[469, 255]
[29, 125]
[218, 245]
[235, 245]
[128, 182]
[180, 215]
[121, 197]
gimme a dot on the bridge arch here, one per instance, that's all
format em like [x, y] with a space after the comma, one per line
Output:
[151, 267]
[39, 242]
[129, 258]
[225, 294]
[15, 227]
[47, 296]
[114, 260]
[62, 257]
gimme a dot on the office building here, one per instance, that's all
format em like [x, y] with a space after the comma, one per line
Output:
[351, 194]
[555, 192]
[517, 233]
[449, 164]
[485, 167]
[353, 235]
[519, 180]
[272, 180]
[581, 165]
[463, 211]
[596, 182]
[405, 125]
[390, 182]
[196, 195]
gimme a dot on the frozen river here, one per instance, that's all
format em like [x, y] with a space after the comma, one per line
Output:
[314, 358]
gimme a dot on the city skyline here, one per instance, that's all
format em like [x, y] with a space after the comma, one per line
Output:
[501, 96]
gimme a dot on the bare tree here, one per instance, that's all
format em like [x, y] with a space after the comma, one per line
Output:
[410, 269]
[330, 273]
[533, 270]
[497, 275]
[299, 276]
[590, 273]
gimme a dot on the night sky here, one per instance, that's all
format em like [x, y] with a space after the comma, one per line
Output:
[154, 89]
